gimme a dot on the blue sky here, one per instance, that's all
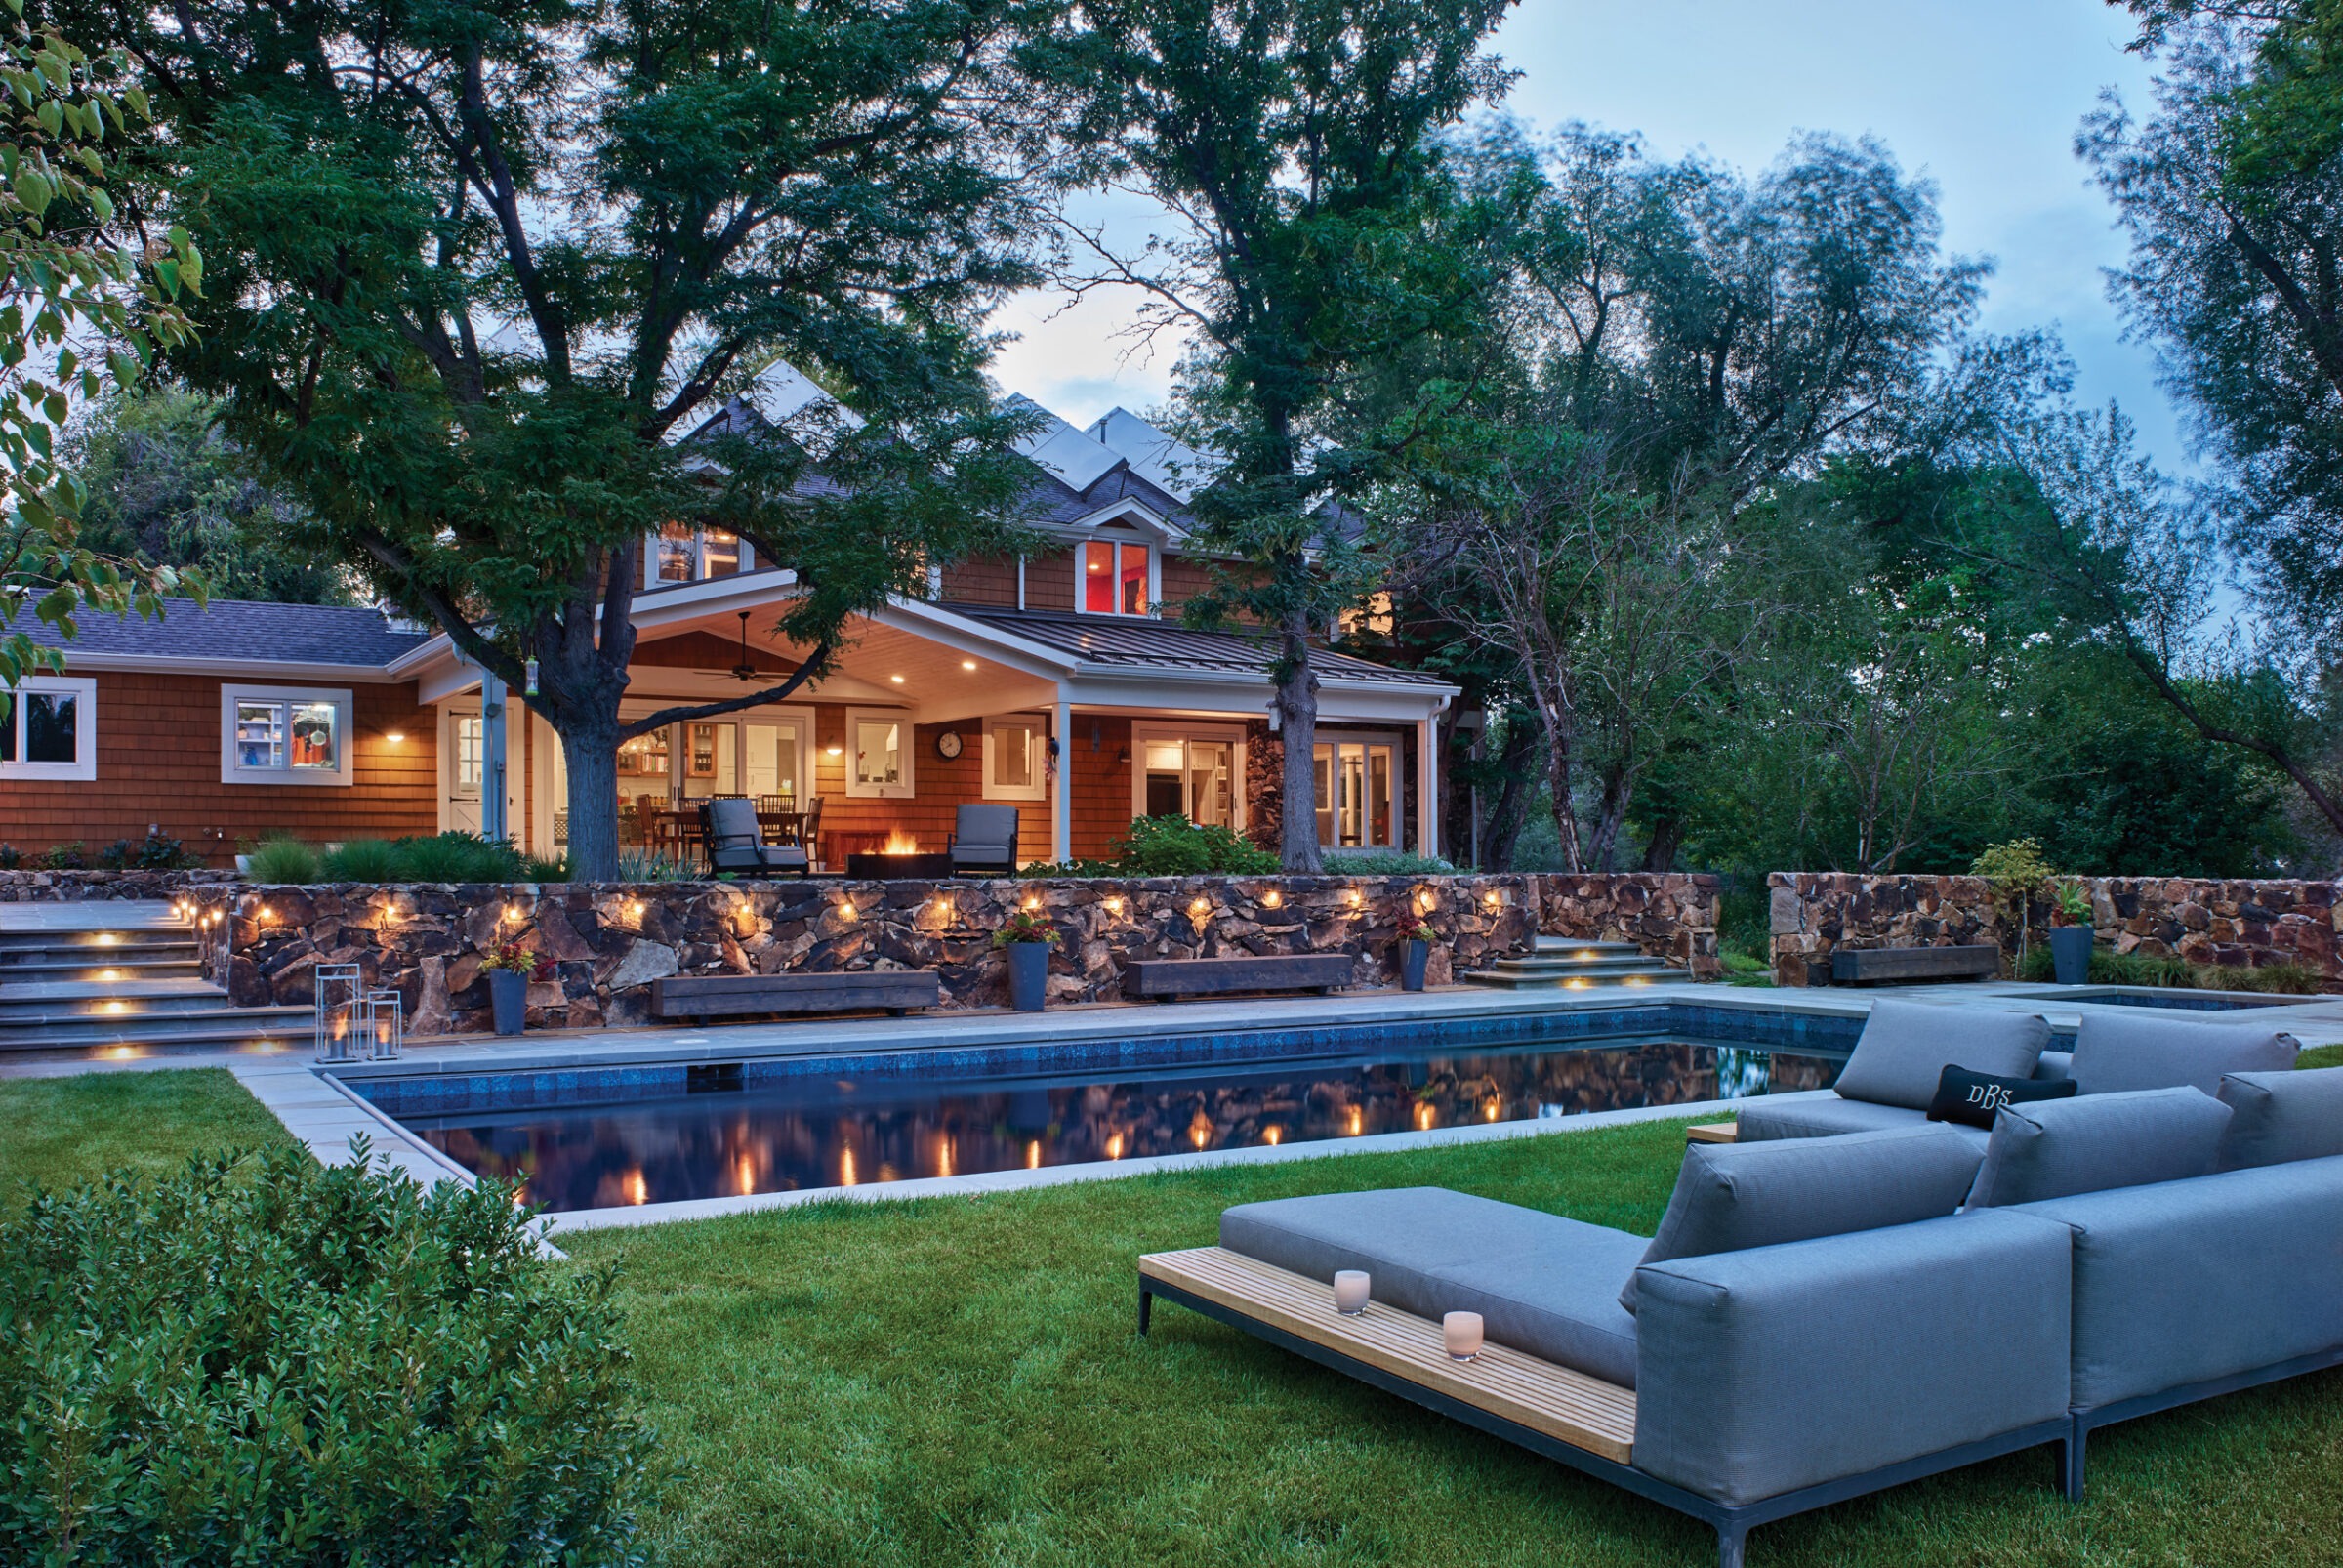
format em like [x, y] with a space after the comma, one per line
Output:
[1982, 95]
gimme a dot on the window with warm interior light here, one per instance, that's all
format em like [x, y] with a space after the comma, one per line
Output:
[683, 553]
[1357, 780]
[1111, 577]
[1190, 774]
[50, 731]
[1015, 759]
[877, 754]
[284, 735]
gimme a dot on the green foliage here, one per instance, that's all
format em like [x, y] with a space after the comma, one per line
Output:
[69, 294]
[535, 868]
[2074, 903]
[360, 860]
[1175, 846]
[283, 860]
[1385, 863]
[2318, 1056]
[644, 865]
[157, 852]
[1744, 921]
[2171, 972]
[11, 857]
[1027, 925]
[263, 1359]
[68, 856]
[165, 484]
[456, 857]
[2014, 869]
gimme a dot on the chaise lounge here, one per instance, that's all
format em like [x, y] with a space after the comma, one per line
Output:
[1822, 1317]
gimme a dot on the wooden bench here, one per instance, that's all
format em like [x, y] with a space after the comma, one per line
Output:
[1857, 966]
[713, 996]
[1169, 978]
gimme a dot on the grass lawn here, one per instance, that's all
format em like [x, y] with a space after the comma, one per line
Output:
[60, 1132]
[957, 1381]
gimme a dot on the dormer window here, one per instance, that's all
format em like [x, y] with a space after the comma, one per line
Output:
[683, 553]
[1111, 578]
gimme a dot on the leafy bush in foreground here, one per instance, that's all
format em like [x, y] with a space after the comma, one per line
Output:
[282, 860]
[1170, 846]
[259, 1360]
[2178, 974]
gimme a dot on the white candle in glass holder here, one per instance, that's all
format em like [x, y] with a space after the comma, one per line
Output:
[1462, 1332]
[1350, 1292]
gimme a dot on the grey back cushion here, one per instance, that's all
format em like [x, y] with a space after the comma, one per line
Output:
[733, 821]
[2113, 1055]
[2055, 1148]
[985, 827]
[2279, 1117]
[1906, 1045]
[1730, 1197]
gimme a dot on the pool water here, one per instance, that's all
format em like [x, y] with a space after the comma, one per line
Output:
[727, 1133]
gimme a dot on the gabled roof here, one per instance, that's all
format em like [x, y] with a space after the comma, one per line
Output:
[236, 630]
[1142, 642]
[1164, 460]
[1074, 459]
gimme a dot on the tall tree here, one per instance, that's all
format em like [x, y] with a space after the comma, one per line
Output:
[478, 265]
[76, 314]
[1315, 236]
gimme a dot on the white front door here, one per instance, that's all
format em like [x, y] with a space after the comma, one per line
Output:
[461, 769]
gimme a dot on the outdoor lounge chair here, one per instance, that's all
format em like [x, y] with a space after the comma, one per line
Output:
[1805, 1329]
[984, 841]
[736, 842]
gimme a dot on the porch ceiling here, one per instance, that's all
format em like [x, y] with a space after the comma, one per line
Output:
[884, 666]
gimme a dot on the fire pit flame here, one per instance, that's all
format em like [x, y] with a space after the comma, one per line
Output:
[899, 842]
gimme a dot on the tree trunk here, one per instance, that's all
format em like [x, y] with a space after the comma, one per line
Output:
[1667, 837]
[1298, 728]
[1611, 814]
[590, 752]
[1511, 812]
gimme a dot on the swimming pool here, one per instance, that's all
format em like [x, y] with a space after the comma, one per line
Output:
[608, 1138]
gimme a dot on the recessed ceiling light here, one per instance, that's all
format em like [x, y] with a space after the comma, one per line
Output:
[967, 663]
[896, 678]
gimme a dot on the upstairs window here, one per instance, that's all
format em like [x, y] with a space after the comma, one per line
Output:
[50, 731]
[284, 735]
[683, 553]
[1111, 578]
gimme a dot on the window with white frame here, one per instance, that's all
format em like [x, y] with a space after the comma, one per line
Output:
[1111, 577]
[50, 731]
[685, 554]
[285, 735]
[877, 754]
[1357, 779]
[1195, 771]
[1016, 749]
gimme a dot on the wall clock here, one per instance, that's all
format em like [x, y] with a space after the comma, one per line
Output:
[947, 744]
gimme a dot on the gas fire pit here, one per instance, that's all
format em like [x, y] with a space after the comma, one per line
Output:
[877, 865]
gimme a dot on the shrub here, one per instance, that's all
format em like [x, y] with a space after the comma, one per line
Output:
[64, 857]
[10, 858]
[457, 857]
[260, 1359]
[2173, 973]
[642, 865]
[1385, 863]
[286, 860]
[157, 852]
[1175, 846]
[363, 860]
[535, 868]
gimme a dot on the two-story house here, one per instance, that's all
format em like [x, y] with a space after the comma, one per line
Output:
[1062, 681]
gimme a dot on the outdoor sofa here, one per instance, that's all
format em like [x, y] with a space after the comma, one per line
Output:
[1822, 1317]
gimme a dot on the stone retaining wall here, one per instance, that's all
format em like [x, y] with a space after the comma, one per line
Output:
[1669, 915]
[2246, 923]
[609, 942]
[81, 887]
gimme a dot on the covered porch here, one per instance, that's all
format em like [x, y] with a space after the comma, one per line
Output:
[1080, 721]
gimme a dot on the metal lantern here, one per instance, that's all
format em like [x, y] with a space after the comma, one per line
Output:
[386, 1023]
[341, 1005]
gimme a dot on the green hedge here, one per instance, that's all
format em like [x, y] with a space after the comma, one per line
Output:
[2178, 974]
[262, 1360]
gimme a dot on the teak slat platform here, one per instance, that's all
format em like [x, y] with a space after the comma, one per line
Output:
[1165, 979]
[708, 995]
[1859, 966]
[1563, 1404]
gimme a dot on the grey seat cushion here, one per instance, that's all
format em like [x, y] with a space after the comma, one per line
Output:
[1730, 1197]
[2054, 1149]
[2279, 1117]
[1766, 1119]
[1906, 1045]
[2113, 1055]
[1541, 1283]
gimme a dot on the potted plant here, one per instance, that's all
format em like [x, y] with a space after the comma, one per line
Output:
[1417, 955]
[1028, 937]
[2071, 936]
[510, 966]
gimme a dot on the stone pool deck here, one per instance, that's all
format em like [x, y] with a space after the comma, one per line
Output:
[315, 1106]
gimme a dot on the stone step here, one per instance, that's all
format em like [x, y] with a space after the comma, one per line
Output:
[24, 948]
[113, 999]
[95, 915]
[221, 1025]
[140, 965]
[1557, 964]
[1547, 945]
[1567, 980]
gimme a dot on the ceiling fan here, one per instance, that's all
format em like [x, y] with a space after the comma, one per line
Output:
[744, 670]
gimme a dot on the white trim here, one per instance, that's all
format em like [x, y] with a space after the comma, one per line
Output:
[1082, 577]
[1037, 745]
[1397, 746]
[84, 767]
[907, 749]
[1230, 735]
[345, 735]
[248, 669]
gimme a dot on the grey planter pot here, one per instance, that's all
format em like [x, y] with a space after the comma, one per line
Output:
[1028, 975]
[1410, 965]
[509, 1000]
[2071, 954]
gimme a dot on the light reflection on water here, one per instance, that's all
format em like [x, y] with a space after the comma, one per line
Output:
[797, 1133]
